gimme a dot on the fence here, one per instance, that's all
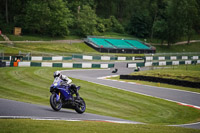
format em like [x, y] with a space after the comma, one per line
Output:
[64, 65]
[162, 63]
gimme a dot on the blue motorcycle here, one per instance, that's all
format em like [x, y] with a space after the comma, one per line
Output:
[63, 97]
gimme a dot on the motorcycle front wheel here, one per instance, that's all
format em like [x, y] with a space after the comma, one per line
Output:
[81, 106]
[56, 105]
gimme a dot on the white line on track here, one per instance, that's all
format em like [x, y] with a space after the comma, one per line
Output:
[187, 124]
[105, 78]
[52, 118]
[180, 103]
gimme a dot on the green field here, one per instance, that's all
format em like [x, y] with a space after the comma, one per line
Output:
[32, 85]
[193, 47]
[47, 48]
[63, 49]
[39, 38]
[33, 126]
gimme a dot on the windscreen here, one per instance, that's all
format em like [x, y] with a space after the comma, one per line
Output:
[56, 80]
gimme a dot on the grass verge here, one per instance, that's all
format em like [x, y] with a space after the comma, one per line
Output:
[33, 126]
[47, 48]
[192, 47]
[39, 38]
[32, 85]
[55, 49]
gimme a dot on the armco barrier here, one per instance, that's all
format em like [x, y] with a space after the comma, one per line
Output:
[64, 65]
[36, 58]
[162, 80]
[24, 64]
[2, 64]
[82, 57]
[162, 63]
[96, 57]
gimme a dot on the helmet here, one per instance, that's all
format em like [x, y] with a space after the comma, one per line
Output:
[56, 74]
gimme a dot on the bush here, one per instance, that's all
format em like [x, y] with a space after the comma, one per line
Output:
[116, 26]
[100, 25]
[86, 21]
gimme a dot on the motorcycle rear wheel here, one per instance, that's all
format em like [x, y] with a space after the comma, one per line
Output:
[81, 106]
[54, 104]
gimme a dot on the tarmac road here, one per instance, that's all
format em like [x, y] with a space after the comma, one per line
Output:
[15, 109]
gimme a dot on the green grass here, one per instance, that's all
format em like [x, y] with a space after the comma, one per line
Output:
[55, 48]
[33, 126]
[48, 48]
[196, 36]
[32, 85]
[193, 47]
[39, 38]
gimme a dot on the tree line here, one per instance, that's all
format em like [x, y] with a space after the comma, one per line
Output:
[167, 20]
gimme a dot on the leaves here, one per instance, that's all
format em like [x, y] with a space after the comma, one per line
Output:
[167, 20]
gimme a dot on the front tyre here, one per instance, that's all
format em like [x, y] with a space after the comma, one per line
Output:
[56, 105]
[80, 106]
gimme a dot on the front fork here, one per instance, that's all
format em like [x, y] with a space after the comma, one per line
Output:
[58, 97]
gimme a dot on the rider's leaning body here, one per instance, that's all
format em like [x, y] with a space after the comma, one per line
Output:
[67, 80]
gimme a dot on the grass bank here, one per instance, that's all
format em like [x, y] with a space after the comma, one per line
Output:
[33, 126]
[39, 38]
[47, 48]
[32, 85]
[193, 47]
[63, 49]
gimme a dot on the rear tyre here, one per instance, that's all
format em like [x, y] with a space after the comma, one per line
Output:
[81, 106]
[56, 105]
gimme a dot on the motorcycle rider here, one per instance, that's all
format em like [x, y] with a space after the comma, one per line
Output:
[67, 81]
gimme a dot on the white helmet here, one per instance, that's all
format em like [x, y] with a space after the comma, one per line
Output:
[56, 74]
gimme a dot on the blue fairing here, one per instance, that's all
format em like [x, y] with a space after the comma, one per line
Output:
[64, 90]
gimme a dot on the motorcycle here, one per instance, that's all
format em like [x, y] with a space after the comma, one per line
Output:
[63, 97]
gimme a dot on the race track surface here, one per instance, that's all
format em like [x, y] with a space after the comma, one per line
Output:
[15, 109]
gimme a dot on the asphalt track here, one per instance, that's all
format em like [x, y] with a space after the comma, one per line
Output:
[14, 109]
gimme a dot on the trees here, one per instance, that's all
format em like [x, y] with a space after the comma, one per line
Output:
[86, 21]
[140, 24]
[51, 17]
[179, 20]
[167, 20]
[191, 16]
